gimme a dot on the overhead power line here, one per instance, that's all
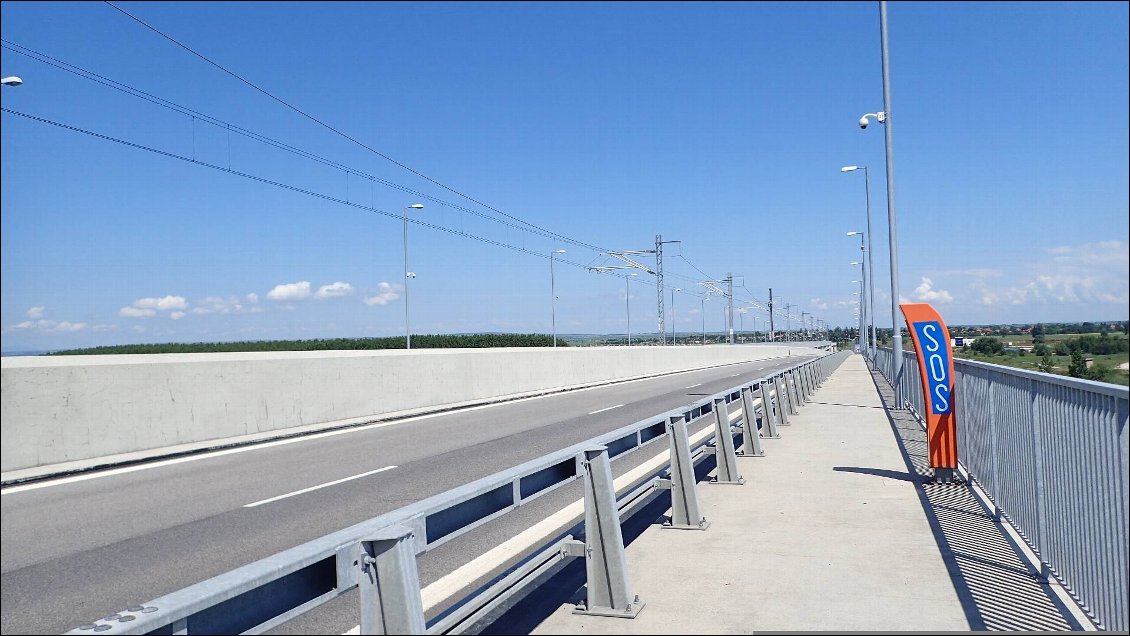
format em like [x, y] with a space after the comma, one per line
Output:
[327, 126]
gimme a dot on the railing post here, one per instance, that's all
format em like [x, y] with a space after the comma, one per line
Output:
[609, 593]
[751, 437]
[806, 373]
[724, 446]
[779, 400]
[685, 513]
[1039, 460]
[768, 413]
[389, 583]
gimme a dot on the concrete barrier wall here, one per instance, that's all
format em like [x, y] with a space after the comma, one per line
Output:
[63, 409]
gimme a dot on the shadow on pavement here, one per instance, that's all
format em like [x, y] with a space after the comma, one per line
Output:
[996, 586]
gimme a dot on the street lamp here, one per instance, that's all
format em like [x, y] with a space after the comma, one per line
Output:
[407, 275]
[628, 305]
[888, 134]
[702, 310]
[870, 250]
[862, 314]
[553, 294]
[868, 283]
[11, 80]
[673, 327]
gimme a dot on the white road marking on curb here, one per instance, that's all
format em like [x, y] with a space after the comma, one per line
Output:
[318, 487]
[607, 409]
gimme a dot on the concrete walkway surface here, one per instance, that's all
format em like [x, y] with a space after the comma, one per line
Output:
[834, 530]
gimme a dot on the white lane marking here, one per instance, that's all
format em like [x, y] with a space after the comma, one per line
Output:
[693, 386]
[318, 487]
[291, 440]
[735, 375]
[607, 409]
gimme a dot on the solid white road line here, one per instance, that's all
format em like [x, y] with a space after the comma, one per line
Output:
[607, 409]
[318, 487]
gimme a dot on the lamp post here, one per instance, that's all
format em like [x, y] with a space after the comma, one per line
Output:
[628, 305]
[407, 275]
[870, 251]
[553, 295]
[702, 310]
[888, 135]
[862, 328]
[868, 282]
[677, 289]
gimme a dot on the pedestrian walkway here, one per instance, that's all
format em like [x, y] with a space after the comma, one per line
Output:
[834, 529]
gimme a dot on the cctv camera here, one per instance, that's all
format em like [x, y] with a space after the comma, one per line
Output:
[863, 122]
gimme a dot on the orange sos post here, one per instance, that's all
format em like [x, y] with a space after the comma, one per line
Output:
[935, 368]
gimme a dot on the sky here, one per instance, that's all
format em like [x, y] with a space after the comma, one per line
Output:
[247, 179]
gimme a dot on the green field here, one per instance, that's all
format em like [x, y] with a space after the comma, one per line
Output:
[1031, 362]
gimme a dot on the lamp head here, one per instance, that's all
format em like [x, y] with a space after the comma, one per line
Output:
[854, 233]
[850, 168]
[558, 251]
[417, 206]
[11, 81]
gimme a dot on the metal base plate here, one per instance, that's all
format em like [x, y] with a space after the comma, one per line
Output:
[631, 611]
[670, 526]
[739, 482]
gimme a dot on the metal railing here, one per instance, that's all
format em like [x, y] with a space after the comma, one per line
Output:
[378, 556]
[1050, 453]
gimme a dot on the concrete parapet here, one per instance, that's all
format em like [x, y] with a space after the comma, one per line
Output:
[56, 410]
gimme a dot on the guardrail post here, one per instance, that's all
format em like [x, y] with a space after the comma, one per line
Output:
[685, 514]
[806, 380]
[790, 389]
[779, 400]
[389, 584]
[605, 565]
[751, 436]
[767, 412]
[1039, 460]
[724, 446]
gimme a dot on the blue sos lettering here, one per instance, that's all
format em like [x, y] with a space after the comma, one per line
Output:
[935, 354]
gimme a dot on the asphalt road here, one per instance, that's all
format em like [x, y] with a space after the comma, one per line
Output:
[77, 549]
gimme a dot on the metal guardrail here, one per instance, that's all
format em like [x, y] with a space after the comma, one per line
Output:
[1050, 452]
[378, 556]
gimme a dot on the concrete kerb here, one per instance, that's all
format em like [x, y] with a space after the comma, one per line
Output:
[64, 469]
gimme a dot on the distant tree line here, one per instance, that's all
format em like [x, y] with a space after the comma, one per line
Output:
[469, 341]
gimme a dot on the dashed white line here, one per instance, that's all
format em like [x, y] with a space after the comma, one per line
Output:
[693, 386]
[318, 487]
[606, 409]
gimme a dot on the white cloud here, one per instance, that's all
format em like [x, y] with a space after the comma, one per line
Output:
[218, 305]
[334, 290]
[290, 291]
[818, 304]
[134, 312]
[162, 304]
[103, 328]
[253, 298]
[177, 315]
[386, 293]
[925, 292]
[35, 313]
[51, 326]
[1074, 274]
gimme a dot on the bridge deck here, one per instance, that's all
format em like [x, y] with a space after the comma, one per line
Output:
[835, 529]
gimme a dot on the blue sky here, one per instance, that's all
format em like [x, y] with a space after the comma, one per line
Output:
[722, 125]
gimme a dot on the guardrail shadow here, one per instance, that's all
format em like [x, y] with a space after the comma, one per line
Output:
[996, 586]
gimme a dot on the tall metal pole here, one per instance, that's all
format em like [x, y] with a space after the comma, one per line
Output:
[673, 315]
[628, 306]
[730, 311]
[659, 288]
[553, 297]
[407, 322]
[788, 321]
[870, 266]
[888, 131]
[772, 332]
[702, 310]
